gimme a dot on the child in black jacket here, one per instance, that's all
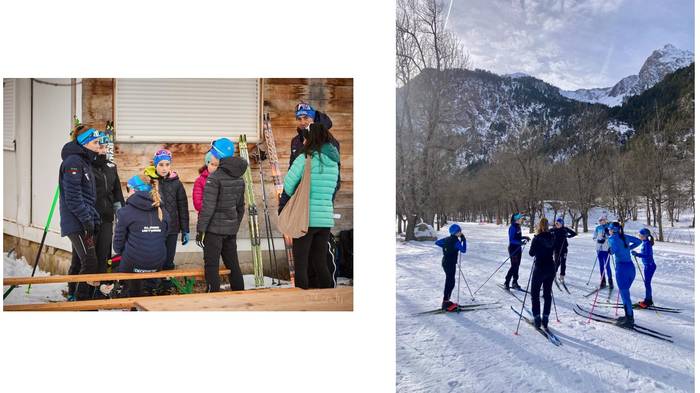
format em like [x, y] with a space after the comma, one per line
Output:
[222, 211]
[142, 226]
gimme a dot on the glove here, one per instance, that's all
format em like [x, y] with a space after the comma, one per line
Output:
[462, 238]
[89, 228]
[523, 241]
[635, 253]
[199, 240]
[116, 206]
[526, 238]
[185, 238]
[601, 241]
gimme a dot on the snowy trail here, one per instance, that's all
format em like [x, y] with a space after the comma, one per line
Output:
[478, 352]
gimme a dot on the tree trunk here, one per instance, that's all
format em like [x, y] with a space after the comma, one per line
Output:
[584, 216]
[399, 221]
[410, 227]
[659, 218]
[648, 212]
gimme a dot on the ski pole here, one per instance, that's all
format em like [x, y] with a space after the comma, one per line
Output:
[602, 277]
[525, 297]
[499, 268]
[268, 230]
[465, 280]
[595, 260]
[555, 306]
[43, 239]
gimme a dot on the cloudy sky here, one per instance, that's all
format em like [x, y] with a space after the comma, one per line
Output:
[570, 43]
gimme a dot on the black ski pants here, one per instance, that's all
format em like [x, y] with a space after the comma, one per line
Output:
[221, 247]
[84, 261]
[450, 268]
[515, 253]
[560, 259]
[541, 278]
[312, 250]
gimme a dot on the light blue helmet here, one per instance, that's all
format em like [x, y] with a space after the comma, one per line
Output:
[223, 148]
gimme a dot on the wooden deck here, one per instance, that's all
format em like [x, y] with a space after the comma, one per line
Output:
[266, 299]
[197, 273]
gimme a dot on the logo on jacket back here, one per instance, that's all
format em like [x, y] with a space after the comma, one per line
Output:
[150, 229]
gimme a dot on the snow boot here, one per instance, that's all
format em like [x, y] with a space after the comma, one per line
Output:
[537, 321]
[545, 321]
[645, 303]
[515, 285]
[602, 283]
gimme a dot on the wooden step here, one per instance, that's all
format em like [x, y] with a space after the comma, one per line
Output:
[198, 273]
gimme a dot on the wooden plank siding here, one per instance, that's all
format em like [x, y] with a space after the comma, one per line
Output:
[280, 96]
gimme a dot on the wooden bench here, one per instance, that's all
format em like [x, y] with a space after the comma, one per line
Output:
[197, 273]
[265, 299]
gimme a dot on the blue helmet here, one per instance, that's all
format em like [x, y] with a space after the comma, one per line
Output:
[560, 220]
[454, 228]
[644, 231]
[615, 227]
[222, 148]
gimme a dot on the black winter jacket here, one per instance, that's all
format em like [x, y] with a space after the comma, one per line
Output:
[109, 188]
[174, 200]
[139, 236]
[223, 203]
[542, 248]
[560, 236]
[77, 189]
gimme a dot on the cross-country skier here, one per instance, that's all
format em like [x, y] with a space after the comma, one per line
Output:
[174, 200]
[620, 246]
[312, 248]
[544, 270]
[223, 206]
[211, 163]
[647, 256]
[142, 226]
[77, 196]
[561, 245]
[516, 241]
[451, 247]
[600, 235]
[305, 114]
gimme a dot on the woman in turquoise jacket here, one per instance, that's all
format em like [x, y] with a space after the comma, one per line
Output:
[620, 246]
[312, 248]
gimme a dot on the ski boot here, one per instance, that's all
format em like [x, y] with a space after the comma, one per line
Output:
[561, 279]
[602, 283]
[537, 321]
[515, 285]
[610, 283]
[506, 284]
[446, 304]
[545, 321]
[645, 303]
[626, 322]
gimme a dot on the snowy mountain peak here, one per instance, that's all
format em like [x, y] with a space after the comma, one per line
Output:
[516, 75]
[660, 63]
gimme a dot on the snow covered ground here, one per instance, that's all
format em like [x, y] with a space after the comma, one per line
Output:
[478, 352]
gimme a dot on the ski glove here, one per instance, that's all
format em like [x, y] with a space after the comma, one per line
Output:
[200, 239]
[462, 238]
[185, 238]
[116, 206]
[636, 254]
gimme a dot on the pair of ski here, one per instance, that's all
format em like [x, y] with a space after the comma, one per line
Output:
[561, 284]
[593, 292]
[461, 308]
[546, 332]
[636, 306]
[612, 321]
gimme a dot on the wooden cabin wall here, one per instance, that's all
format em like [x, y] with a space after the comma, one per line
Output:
[333, 96]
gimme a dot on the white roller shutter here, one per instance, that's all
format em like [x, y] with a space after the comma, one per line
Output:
[186, 110]
[8, 114]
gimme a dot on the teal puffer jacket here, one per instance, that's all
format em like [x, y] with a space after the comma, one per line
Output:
[324, 177]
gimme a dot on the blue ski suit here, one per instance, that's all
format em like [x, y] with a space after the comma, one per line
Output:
[600, 235]
[451, 247]
[624, 268]
[647, 256]
[515, 250]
